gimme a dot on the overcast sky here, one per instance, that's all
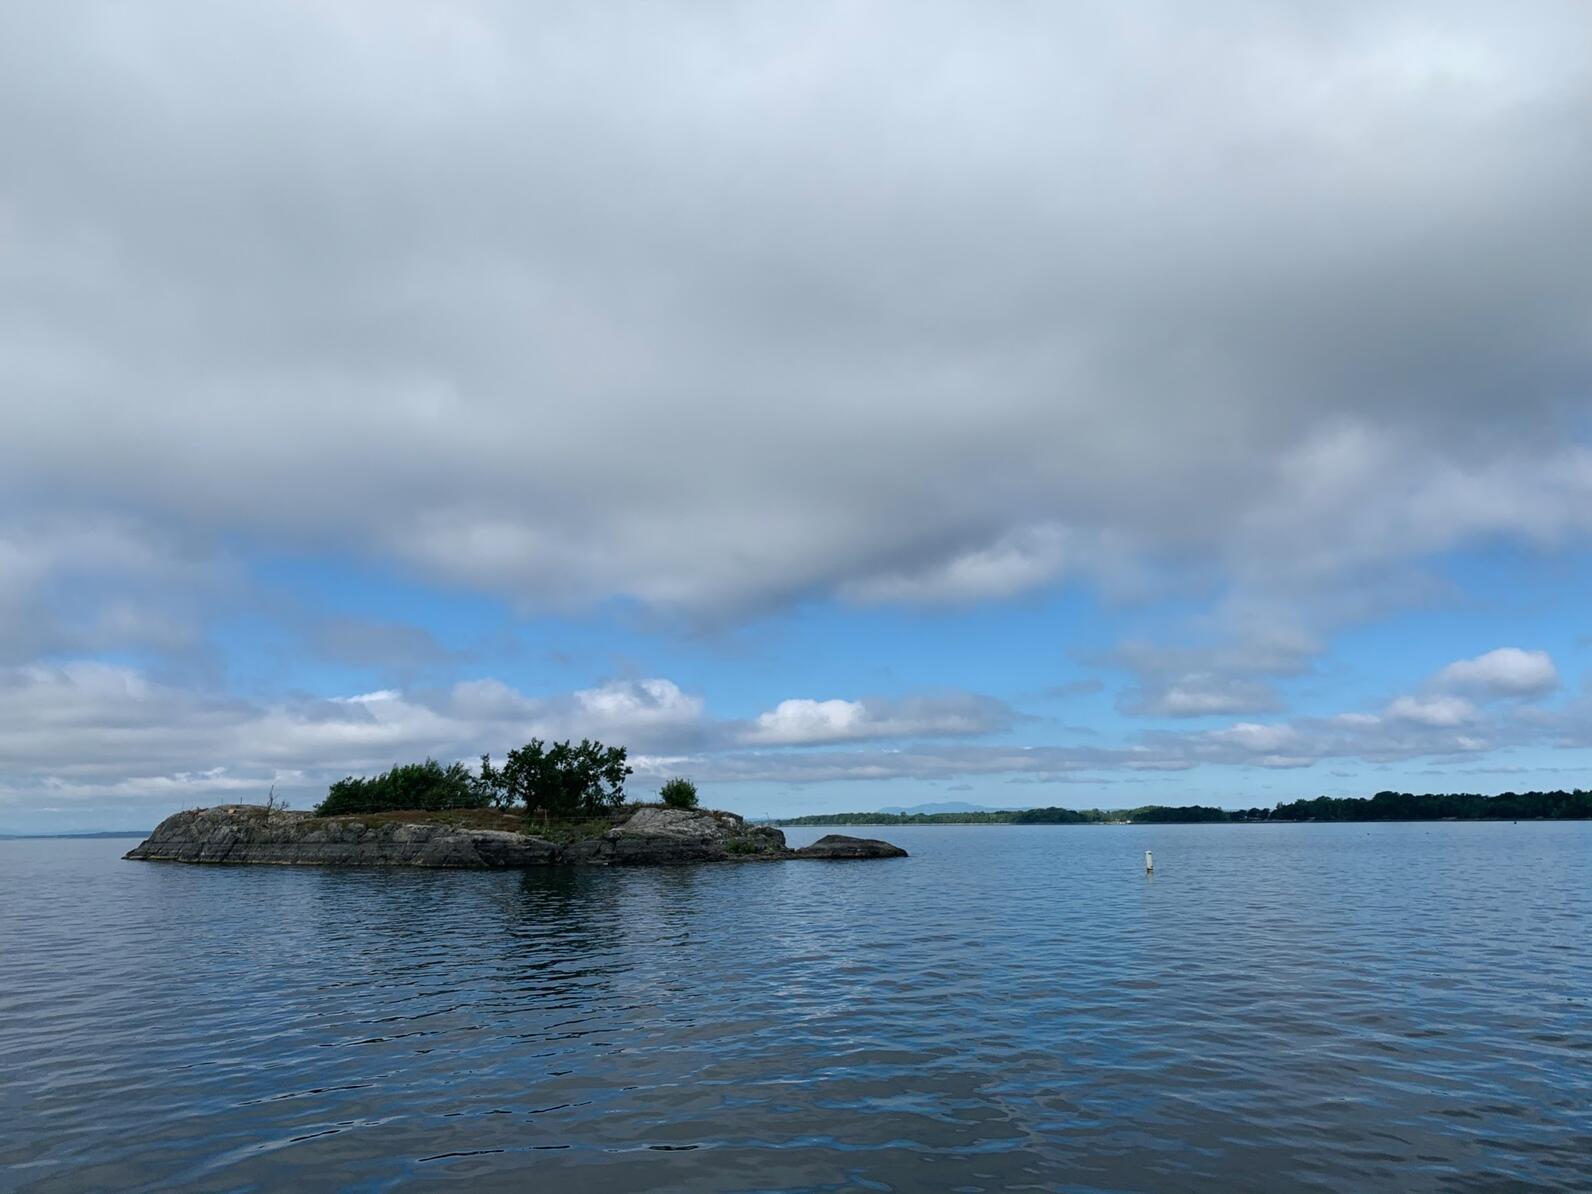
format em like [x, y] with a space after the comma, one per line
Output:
[845, 405]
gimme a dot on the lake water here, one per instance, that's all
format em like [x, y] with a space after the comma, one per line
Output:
[1354, 1007]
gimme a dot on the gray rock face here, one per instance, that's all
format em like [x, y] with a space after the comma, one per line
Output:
[839, 845]
[241, 833]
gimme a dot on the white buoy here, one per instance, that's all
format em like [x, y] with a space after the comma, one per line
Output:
[1149, 863]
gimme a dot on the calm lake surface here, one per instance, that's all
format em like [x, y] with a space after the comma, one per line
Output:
[1280, 1007]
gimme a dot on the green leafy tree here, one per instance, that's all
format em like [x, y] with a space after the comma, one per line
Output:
[563, 779]
[678, 793]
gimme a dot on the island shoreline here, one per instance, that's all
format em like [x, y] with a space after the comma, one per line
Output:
[644, 835]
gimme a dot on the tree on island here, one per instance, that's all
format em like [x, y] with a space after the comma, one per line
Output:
[428, 786]
[561, 780]
[678, 793]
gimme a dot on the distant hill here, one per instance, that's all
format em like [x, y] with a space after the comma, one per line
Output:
[945, 806]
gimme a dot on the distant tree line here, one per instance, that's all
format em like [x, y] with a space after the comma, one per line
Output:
[1384, 806]
[1455, 806]
[1152, 814]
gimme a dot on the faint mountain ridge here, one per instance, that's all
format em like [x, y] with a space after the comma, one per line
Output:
[945, 806]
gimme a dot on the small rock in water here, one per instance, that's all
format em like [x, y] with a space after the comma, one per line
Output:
[840, 845]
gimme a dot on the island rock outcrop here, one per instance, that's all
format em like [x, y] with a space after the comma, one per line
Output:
[644, 836]
[654, 836]
[839, 845]
[243, 833]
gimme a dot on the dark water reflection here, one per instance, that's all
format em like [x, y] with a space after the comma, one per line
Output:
[1280, 1007]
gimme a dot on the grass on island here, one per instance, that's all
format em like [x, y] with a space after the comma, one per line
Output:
[508, 820]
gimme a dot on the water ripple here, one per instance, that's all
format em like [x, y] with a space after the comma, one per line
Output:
[1279, 1007]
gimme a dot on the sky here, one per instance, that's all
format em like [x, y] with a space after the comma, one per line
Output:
[841, 405]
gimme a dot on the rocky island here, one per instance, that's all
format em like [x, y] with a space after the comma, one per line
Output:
[632, 835]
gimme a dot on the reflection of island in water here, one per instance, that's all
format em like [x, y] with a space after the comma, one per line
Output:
[1384, 806]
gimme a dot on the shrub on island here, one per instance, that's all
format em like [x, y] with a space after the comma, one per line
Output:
[678, 793]
[429, 786]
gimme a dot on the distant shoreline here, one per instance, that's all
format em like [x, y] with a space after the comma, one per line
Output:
[1384, 806]
[34, 837]
[819, 824]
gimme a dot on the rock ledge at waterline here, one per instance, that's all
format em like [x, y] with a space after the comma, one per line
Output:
[644, 836]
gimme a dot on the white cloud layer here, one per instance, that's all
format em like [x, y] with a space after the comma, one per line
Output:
[1438, 711]
[1508, 671]
[87, 731]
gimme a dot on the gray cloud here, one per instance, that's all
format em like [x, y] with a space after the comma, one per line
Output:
[804, 722]
[715, 308]
[1200, 694]
[72, 583]
[1233, 678]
